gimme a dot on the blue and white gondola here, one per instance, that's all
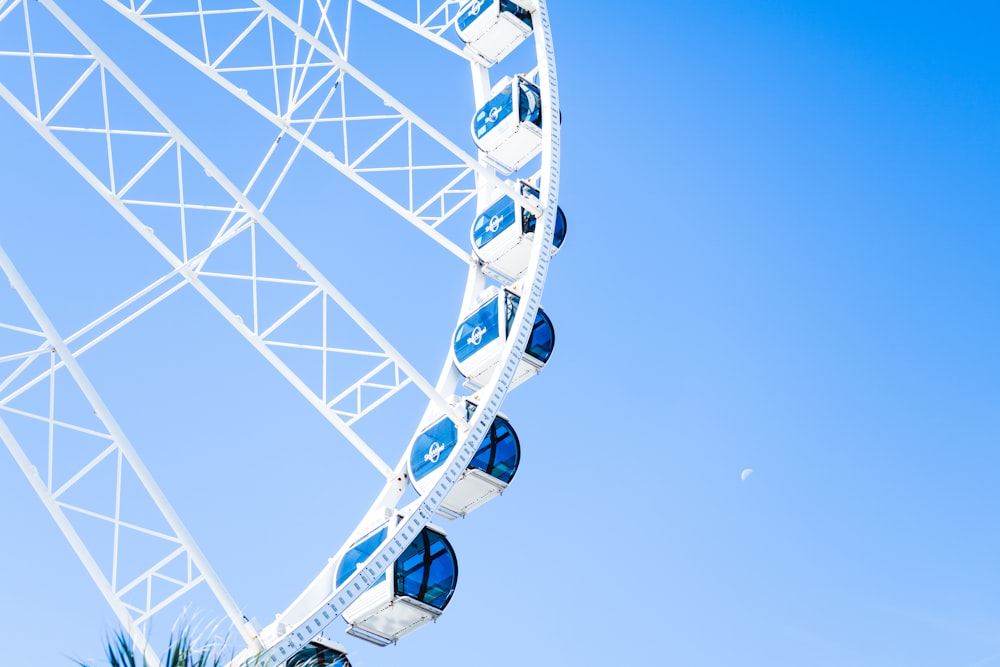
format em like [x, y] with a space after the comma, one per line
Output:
[320, 652]
[494, 28]
[508, 128]
[413, 592]
[489, 473]
[481, 334]
[503, 232]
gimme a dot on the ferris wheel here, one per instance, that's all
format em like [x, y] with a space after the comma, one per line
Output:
[473, 178]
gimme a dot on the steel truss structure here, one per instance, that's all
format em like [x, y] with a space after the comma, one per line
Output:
[291, 65]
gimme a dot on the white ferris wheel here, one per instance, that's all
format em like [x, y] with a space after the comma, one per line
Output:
[374, 97]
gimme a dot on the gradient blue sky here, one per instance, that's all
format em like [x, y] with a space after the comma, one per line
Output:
[784, 231]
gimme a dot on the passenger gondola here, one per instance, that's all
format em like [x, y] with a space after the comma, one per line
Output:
[508, 128]
[494, 28]
[414, 590]
[488, 474]
[480, 337]
[503, 232]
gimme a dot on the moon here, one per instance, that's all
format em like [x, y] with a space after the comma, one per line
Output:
[746, 473]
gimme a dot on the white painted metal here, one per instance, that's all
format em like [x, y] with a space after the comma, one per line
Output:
[479, 366]
[472, 490]
[494, 34]
[253, 218]
[320, 603]
[384, 619]
[290, 124]
[427, 214]
[499, 241]
[508, 251]
[512, 142]
[120, 594]
[315, 608]
[264, 347]
[432, 27]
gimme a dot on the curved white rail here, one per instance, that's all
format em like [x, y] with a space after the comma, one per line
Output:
[308, 619]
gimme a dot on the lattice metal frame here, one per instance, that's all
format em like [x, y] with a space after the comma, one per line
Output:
[330, 76]
[162, 579]
[319, 73]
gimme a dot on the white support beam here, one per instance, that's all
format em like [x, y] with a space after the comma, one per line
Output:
[290, 125]
[243, 204]
[124, 449]
[423, 31]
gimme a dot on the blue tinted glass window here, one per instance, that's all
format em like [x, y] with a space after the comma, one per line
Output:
[529, 103]
[432, 447]
[473, 11]
[480, 328]
[498, 108]
[318, 656]
[500, 452]
[523, 14]
[559, 234]
[358, 554]
[427, 571]
[494, 220]
[543, 338]
[528, 219]
[512, 303]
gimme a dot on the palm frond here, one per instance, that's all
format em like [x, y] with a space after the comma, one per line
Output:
[185, 649]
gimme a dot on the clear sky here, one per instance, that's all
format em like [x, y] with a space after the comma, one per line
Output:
[784, 230]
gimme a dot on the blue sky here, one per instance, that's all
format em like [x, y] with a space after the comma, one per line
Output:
[784, 223]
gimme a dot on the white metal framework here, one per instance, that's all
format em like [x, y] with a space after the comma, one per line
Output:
[137, 582]
[291, 63]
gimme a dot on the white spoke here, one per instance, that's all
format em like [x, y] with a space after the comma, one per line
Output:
[102, 430]
[413, 207]
[426, 28]
[130, 209]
